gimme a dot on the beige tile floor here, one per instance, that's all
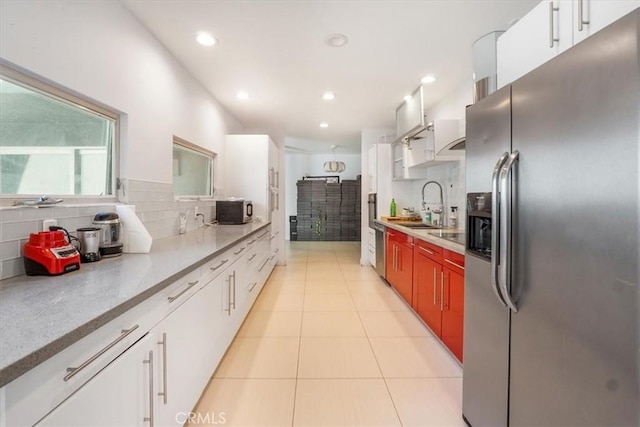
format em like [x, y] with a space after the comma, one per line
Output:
[327, 343]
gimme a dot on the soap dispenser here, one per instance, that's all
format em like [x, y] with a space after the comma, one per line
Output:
[426, 218]
[453, 217]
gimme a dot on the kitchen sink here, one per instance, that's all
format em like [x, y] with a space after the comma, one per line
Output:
[422, 226]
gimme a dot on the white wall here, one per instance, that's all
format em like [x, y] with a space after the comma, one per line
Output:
[98, 49]
[298, 165]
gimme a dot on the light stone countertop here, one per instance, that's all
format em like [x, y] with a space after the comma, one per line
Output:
[42, 315]
[427, 235]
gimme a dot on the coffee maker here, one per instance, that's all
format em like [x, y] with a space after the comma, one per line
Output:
[89, 244]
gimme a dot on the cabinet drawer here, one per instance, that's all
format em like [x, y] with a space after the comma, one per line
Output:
[400, 238]
[453, 261]
[429, 250]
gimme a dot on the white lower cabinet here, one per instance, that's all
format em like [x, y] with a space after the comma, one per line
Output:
[119, 395]
[154, 372]
[185, 348]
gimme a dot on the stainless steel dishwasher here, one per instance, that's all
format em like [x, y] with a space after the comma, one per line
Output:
[381, 250]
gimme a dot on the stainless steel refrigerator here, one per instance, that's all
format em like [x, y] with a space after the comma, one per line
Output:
[551, 327]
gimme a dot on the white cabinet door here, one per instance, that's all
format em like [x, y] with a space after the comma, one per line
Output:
[536, 38]
[416, 152]
[372, 154]
[246, 171]
[371, 246]
[184, 356]
[399, 170]
[119, 395]
[597, 14]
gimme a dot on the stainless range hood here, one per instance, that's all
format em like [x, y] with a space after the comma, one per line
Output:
[457, 145]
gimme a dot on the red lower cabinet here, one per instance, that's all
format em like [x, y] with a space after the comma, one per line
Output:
[453, 313]
[426, 279]
[438, 279]
[400, 264]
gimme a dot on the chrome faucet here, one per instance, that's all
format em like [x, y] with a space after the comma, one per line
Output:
[440, 210]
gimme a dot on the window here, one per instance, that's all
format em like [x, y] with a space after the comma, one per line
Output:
[53, 142]
[192, 170]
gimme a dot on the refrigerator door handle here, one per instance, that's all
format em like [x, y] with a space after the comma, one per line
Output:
[507, 194]
[495, 226]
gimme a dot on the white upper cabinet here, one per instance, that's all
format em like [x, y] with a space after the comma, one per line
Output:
[549, 29]
[590, 16]
[536, 38]
[372, 161]
[429, 148]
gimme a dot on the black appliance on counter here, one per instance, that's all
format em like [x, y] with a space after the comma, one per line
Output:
[231, 212]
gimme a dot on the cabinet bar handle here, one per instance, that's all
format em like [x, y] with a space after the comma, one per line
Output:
[74, 370]
[581, 20]
[219, 265]
[394, 258]
[263, 264]
[552, 9]
[453, 263]
[434, 286]
[233, 302]
[272, 237]
[228, 309]
[252, 257]
[251, 242]
[163, 343]
[151, 397]
[241, 249]
[263, 234]
[426, 250]
[442, 291]
[253, 285]
[189, 286]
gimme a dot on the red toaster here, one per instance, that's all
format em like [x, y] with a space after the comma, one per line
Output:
[48, 253]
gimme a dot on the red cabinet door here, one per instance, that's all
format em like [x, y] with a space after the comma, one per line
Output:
[427, 277]
[452, 315]
[404, 262]
[390, 260]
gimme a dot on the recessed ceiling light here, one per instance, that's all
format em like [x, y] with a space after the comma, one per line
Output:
[324, 125]
[328, 96]
[407, 98]
[336, 40]
[428, 79]
[206, 39]
[242, 95]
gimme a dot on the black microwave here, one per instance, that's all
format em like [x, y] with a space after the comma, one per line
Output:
[234, 211]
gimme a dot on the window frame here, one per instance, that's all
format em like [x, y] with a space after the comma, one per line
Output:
[199, 150]
[26, 79]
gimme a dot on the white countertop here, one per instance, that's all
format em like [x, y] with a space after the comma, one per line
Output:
[42, 315]
[428, 235]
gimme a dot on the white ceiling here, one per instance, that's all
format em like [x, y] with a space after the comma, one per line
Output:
[275, 51]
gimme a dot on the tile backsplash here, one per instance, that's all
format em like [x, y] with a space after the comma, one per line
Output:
[154, 202]
[451, 177]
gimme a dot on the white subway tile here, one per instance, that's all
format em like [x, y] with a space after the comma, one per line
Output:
[10, 249]
[12, 267]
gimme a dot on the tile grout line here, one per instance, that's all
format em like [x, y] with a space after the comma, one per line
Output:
[295, 387]
[384, 379]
